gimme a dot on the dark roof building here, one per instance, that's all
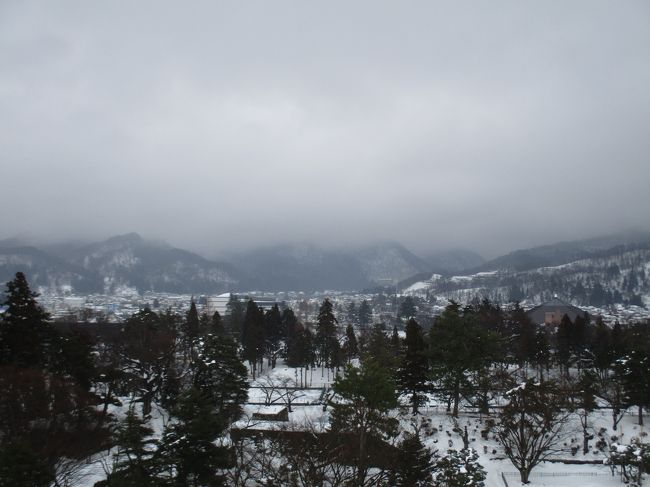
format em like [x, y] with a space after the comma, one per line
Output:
[551, 312]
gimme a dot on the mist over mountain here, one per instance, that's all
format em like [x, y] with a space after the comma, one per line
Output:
[130, 261]
[563, 252]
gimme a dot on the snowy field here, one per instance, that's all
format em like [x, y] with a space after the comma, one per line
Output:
[439, 432]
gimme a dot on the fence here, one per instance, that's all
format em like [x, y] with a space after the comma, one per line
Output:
[555, 474]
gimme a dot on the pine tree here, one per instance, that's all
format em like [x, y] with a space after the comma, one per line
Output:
[365, 314]
[187, 454]
[459, 469]
[457, 347]
[364, 396]
[274, 332]
[350, 346]
[25, 335]
[412, 375]
[22, 467]
[414, 463]
[219, 374]
[327, 344]
[235, 315]
[407, 308]
[192, 325]
[132, 462]
[216, 325]
[253, 335]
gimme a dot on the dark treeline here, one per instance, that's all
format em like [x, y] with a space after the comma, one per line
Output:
[61, 386]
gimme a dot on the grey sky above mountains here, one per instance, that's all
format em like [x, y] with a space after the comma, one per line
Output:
[217, 126]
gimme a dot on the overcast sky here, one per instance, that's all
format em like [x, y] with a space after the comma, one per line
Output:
[487, 125]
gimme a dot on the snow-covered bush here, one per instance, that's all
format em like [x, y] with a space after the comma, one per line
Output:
[459, 469]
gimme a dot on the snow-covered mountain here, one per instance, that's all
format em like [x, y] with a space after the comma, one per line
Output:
[130, 260]
[121, 261]
[588, 276]
[45, 270]
[311, 268]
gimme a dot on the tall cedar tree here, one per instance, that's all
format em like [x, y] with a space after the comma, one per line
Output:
[188, 453]
[21, 467]
[219, 374]
[634, 371]
[414, 463]
[274, 333]
[458, 347]
[253, 335]
[378, 346]
[327, 343]
[350, 345]
[148, 356]
[216, 325]
[25, 335]
[363, 398]
[407, 308]
[412, 375]
[235, 315]
[191, 329]
[47, 407]
[459, 469]
[133, 464]
[365, 314]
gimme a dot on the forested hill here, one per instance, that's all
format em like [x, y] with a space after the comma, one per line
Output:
[619, 275]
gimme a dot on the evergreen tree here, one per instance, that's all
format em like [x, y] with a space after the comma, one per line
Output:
[407, 308]
[47, 407]
[132, 462]
[253, 335]
[351, 313]
[350, 346]
[414, 463]
[413, 372]
[148, 354]
[365, 314]
[634, 371]
[188, 455]
[220, 375]
[563, 347]
[191, 328]
[235, 315]
[274, 332]
[364, 396]
[22, 467]
[458, 347]
[25, 334]
[459, 469]
[327, 344]
[216, 326]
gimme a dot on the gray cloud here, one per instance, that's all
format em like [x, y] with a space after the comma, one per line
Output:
[222, 125]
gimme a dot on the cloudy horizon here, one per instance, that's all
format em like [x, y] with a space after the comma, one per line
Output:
[219, 126]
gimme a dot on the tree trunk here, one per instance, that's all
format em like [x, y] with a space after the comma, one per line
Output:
[362, 467]
[456, 398]
[524, 473]
[640, 415]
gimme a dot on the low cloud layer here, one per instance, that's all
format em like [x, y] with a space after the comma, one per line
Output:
[219, 126]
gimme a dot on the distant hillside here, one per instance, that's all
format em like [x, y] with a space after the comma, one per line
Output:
[453, 261]
[594, 272]
[130, 260]
[311, 268]
[564, 252]
[121, 261]
[45, 270]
